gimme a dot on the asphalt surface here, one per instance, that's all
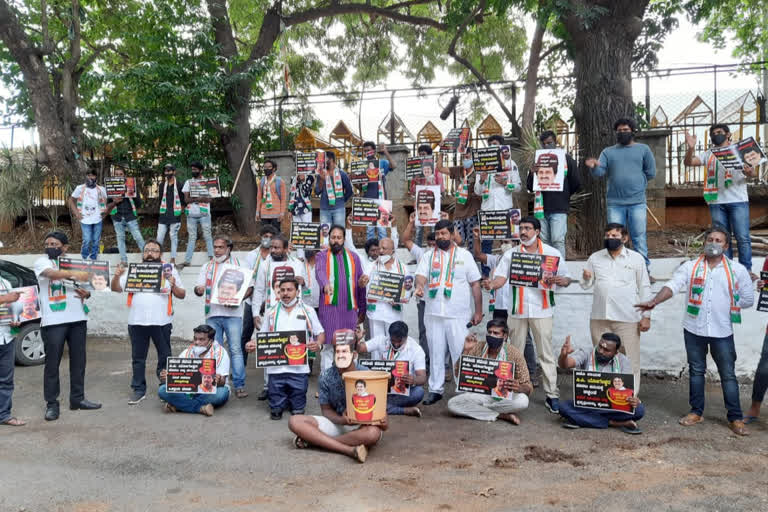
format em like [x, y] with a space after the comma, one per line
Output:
[138, 458]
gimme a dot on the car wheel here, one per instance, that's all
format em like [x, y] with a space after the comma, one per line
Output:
[29, 345]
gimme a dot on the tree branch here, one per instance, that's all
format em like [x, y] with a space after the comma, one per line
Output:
[332, 10]
[74, 44]
[552, 49]
[15, 39]
[47, 44]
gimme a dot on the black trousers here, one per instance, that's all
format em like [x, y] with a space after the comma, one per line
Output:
[140, 336]
[248, 329]
[54, 337]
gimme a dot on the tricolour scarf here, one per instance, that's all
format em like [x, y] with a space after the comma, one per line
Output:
[699, 275]
[436, 272]
[176, 200]
[711, 187]
[518, 292]
[210, 277]
[333, 186]
[332, 273]
[102, 200]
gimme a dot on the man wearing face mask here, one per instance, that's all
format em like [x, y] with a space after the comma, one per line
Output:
[88, 203]
[628, 167]
[64, 320]
[382, 314]
[451, 278]
[620, 280]
[271, 273]
[150, 316]
[425, 150]
[272, 199]
[224, 319]
[124, 216]
[554, 222]
[288, 383]
[467, 201]
[254, 260]
[486, 407]
[171, 206]
[534, 308]
[342, 299]
[198, 212]
[416, 253]
[725, 191]
[376, 189]
[716, 291]
[335, 189]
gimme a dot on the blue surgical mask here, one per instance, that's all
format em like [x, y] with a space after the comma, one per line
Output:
[467, 163]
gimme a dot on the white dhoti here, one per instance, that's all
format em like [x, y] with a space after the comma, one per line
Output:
[485, 407]
[444, 335]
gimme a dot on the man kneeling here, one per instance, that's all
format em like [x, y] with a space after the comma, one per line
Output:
[490, 407]
[333, 431]
[605, 358]
[203, 347]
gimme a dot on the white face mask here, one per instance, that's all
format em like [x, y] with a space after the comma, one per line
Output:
[506, 247]
[220, 259]
[385, 258]
[529, 242]
[290, 303]
[198, 351]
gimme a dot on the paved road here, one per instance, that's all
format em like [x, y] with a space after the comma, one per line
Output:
[137, 458]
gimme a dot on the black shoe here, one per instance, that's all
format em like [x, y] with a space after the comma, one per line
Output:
[84, 405]
[52, 412]
[432, 398]
[275, 415]
[263, 395]
[136, 397]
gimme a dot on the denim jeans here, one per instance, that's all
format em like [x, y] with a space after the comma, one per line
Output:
[133, 227]
[91, 238]
[288, 391]
[724, 354]
[205, 225]
[334, 217]
[418, 237]
[554, 228]
[375, 232]
[186, 402]
[232, 326]
[633, 217]
[162, 229]
[464, 227]
[140, 336]
[7, 361]
[396, 403]
[735, 218]
[761, 374]
[592, 418]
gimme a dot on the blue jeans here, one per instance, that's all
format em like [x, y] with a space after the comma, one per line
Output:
[375, 232]
[724, 354]
[186, 402]
[233, 327]
[735, 218]
[554, 227]
[592, 418]
[633, 217]
[205, 225]
[288, 391]
[133, 227]
[761, 374]
[173, 230]
[396, 403]
[336, 217]
[7, 361]
[91, 238]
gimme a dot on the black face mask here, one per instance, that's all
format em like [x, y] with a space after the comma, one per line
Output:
[718, 138]
[90, 182]
[623, 138]
[601, 359]
[549, 145]
[494, 342]
[53, 252]
[443, 244]
[269, 172]
[196, 174]
[169, 176]
[612, 243]
[336, 248]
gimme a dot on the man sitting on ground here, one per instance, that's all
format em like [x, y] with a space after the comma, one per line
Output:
[605, 358]
[203, 347]
[333, 430]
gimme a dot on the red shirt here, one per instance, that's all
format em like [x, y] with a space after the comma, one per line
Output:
[363, 406]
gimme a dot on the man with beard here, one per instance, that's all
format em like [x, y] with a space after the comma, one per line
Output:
[198, 212]
[171, 206]
[381, 314]
[266, 283]
[88, 204]
[333, 430]
[342, 300]
[150, 316]
[254, 260]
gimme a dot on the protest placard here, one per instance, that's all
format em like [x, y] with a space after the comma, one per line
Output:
[26, 309]
[144, 277]
[99, 271]
[397, 370]
[358, 172]
[306, 235]
[735, 156]
[603, 390]
[386, 286]
[485, 376]
[371, 212]
[427, 205]
[205, 187]
[190, 375]
[496, 225]
[130, 187]
[281, 348]
[419, 167]
[549, 170]
[307, 163]
[457, 140]
[487, 160]
[532, 270]
[230, 285]
[762, 300]
[115, 186]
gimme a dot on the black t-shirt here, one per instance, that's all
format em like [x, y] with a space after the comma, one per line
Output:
[168, 217]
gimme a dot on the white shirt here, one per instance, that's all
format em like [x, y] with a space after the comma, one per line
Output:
[410, 351]
[532, 297]
[217, 352]
[293, 321]
[619, 283]
[714, 318]
[251, 260]
[150, 308]
[73, 312]
[459, 305]
[417, 252]
[218, 309]
[384, 311]
[90, 209]
[5, 330]
[736, 193]
[310, 294]
[499, 197]
[364, 259]
[193, 209]
[502, 294]
[264, 284]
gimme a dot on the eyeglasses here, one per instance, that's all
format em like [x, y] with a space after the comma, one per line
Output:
[152, 250]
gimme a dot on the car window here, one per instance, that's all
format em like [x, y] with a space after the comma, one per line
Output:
[17, 275]
[13, 279]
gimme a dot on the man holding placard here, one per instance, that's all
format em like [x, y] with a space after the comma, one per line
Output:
[171, 206]
[254, 260]
[300, 201]
[150, 316]
[381, 313]
[467, 201]
[534, 270]
[88, 203]
[377, 179]
[198, 212]
[512, 388]
[7, 358]
[497, 189]
[725, 190]
[605, 358]
[203, 347]
[125, 215]
[430, 177]
[266, 283]
[335, 189]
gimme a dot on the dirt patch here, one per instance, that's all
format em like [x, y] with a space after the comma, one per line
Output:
[505, 462]
[550, 455]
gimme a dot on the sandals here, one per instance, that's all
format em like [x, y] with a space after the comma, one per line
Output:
[299, 443]
[690, 419]
[241, 393]
[361, 453]
[14, 422]
[750, 419]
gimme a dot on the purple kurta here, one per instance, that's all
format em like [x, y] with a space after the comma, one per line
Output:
[338, 317]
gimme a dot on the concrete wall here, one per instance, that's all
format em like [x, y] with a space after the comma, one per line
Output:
[662, 347]
[655, 194]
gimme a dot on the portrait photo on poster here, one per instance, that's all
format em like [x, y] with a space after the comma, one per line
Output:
[190, 375]
[230, 285]
[427, 205]
[603, 390]
[549, 168]
[26, 309]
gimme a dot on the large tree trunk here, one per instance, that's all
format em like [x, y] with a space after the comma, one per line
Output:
[602, 55]
[532, 75]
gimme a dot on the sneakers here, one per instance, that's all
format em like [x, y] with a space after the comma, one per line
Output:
[572, 426]
[553, 405]
[137, 397]
[276, 415]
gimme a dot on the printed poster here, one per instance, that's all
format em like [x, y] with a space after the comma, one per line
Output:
[762, 300]
[603, 390]
[26, 309]
[358, 172]
[532, 270]
[115, 186]
[306, 235]
[487, 160]
[145, 277]
[386, 287]
[231, 284]
[427, 205]
[397, 369]
[99, 270]
[735, 156]
[498, 224]
[371, 212]
[281, 348]
[457, 140]
[191, 375]
[205, 187]
[311, 162]
[420, 167]
[549, 169]
[485, 376]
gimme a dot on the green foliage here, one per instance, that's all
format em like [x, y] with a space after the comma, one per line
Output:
[741, 22]
[21, 184]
